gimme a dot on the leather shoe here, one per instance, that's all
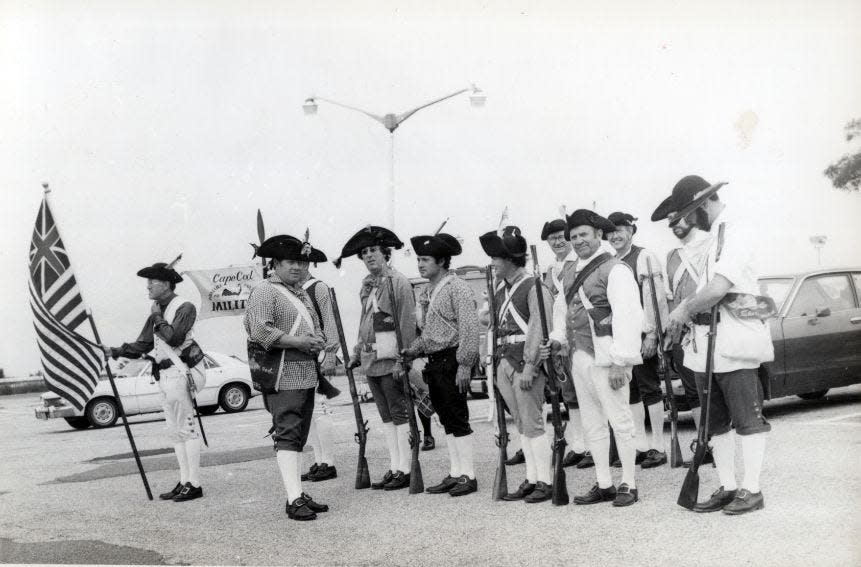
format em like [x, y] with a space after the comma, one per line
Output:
[429, 443]
[465, 485]
[447, 484]
[517, 459]
[314, 506]
[596, 494]
[625, 496]
[399, 480]
[188, 492]
[716, 501]
[572, 458]
[324, 472]
[300, 511]
[745, 501]
[542, 492]
[524, 490]
[307, 476]
[654, 458]
[169, 495]
[383, 482]
[586, 462]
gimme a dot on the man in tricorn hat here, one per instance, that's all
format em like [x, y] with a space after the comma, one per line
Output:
[449, 340]
[167, 339]
[743, 342]
[376, 350]
[519, 377]
[646, 394]
[555, 233]
[280, 315]
[605, 322]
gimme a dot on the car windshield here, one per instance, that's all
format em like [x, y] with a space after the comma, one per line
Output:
[776, 288]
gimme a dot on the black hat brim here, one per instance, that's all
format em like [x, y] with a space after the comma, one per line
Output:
[161, 273]
[556, 225]
[438, 246]
[370, 236]
[585, 217]
[494, 246]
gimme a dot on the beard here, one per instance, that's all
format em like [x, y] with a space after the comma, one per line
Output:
[681, 232]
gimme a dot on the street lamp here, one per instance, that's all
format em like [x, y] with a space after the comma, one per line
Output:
[391, 122]
[818, 241]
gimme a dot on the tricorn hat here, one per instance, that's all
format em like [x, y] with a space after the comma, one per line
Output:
[623, 219]
[585, 217]
[438, 246]
[369, 236]
[556, 225]
[286, 247]
[508, 244]
[162, 272]
[688, 194]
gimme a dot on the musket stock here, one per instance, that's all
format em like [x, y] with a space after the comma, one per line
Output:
[500, 479]
[363, 475]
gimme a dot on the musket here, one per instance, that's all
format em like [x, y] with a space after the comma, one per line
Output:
[560, 487]
[500, 481]
[192, 389]
[363, 475]
[676, 460]
[417, 484]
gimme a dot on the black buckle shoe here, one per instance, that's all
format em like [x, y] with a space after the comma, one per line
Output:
[716, 501]
[399, 480]
[572, 458]
[524, 490]
[464, 486]
[586, 462]
[745, 501]
[307, 476]
[654, 458]
[188, 492]
[324, 472]
[314, 506]
[383, 482]
[517, 459]
[169, 495]
[542, 492]
[300, 511]
[447, 484]
[625, 496]
[429, 443]
[596, 494]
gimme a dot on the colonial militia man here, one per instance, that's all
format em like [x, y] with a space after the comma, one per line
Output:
[646, 393]
[168, 339]
[520, 380]
[743, 342]
[555, 233]
[604, 326]
[449, 339]
[376, 349]
[280, 315]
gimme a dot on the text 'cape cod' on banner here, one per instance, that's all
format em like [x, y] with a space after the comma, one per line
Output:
[224, 292]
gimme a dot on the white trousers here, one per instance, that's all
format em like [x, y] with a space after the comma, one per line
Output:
[178, 411]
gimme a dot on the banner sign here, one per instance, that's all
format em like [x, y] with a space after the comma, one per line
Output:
[224, 292]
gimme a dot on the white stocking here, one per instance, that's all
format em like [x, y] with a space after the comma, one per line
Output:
[288, 464]
[464, 452]
[753, 451]
[404, 450]
[392, 443]
[182, 458]
[192, 450]
[656, 417]
[723, 450]
[526, 447]
[454, 461]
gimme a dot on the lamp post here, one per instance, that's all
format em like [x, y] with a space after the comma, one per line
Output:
[818, 241]
[390, 122]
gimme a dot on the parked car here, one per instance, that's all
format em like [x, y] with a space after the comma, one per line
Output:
[228, 386]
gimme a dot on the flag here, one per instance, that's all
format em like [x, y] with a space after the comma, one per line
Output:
[224, 291]
[70, 362]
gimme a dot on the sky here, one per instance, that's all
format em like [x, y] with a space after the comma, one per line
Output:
[163, 126]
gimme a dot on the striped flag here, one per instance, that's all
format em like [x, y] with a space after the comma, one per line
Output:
[71, 363]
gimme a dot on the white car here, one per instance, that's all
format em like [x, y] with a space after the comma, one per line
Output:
[228, 385]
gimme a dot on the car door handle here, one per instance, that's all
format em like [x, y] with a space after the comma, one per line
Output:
[855, 320]
[813, 321]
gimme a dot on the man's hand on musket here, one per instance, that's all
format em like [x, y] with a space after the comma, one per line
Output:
[526, 379]
[155, 308]
[617, 376]
[649, 347]
[407, 355]
[107, 350]
[679, 317]
[309, 344]
[546, 350]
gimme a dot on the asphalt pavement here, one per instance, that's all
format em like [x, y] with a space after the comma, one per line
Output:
[69, 496]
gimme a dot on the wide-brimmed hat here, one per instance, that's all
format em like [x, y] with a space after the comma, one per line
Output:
[369, 236]
[161, 271]
[585, 217]
[508, 245]
[286, 247]
[688, 194]
[623, 219]
[438, 246]
[555, 225]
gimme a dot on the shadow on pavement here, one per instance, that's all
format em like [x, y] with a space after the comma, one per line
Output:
[79, 551]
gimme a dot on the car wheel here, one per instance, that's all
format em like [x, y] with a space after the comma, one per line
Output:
[78, 422]
[102, 412]
[207, 410]
[233, 398]
[819, 394]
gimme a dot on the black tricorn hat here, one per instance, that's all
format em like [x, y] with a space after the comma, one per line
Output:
[162, 272]
[688, 194]
[369, 236]
[623, 219]
[556, 225]
[510, 245]
[286, 247]
[585, 217]
[438, 246]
